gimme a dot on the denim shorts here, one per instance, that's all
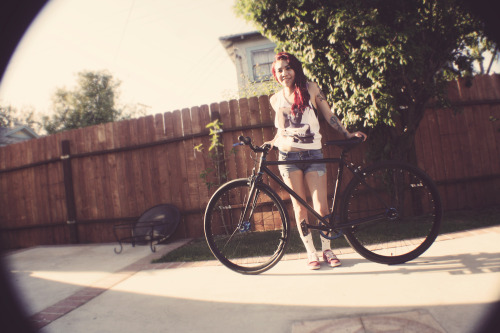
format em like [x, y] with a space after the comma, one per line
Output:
[305, 167]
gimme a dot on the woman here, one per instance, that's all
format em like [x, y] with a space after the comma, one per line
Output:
[298, 138]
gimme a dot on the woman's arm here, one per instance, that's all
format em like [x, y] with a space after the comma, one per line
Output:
[320, 103]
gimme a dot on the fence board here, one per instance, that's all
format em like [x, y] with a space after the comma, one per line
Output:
[88, 176]
[494, 129]
[163, 160]
[120, 173]
[105, 174]
[78, 170]
[241, 152]
[228, 139]
[101, 176]
[448, 164]
[172, 167]
[482, 116]
[474, 155]
[456, 154]
[28, 184]
[181, 178]
[188, 150]
[137, 163]
[53, 175]
[465, 160]
[191, 172]
[203, 159]
[199, 118]
[146, 134]
[153, 162]
[485, 151]
[219, 153]
[440, 167]
[42, 184]
[246, 121]
[113, 180]
[16, 188]
[31, 189]
[4, 198]
[255, 119]
[57, 193]
[177, 163]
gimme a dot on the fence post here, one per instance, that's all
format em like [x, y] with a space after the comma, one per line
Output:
[70, 194]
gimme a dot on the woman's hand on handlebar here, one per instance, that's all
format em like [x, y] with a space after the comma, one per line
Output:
[357, 135]
[269, 144]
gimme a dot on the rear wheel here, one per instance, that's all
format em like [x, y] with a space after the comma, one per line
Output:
[247, 232]
[395, 210]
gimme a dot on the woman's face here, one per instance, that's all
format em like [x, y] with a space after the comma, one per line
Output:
[284, 73]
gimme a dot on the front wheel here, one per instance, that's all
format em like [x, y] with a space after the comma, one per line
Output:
[394, 210]
[246, 229]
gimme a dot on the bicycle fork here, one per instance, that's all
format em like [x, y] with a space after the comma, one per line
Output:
[250, 203]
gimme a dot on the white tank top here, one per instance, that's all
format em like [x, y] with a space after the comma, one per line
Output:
[299, 131]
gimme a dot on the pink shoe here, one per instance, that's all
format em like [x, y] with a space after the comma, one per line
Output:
[331, 258]
[313, 261]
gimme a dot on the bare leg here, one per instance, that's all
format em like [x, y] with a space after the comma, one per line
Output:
[297, 184]
[318, 189]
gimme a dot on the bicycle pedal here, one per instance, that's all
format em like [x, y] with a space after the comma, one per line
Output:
[305, 229]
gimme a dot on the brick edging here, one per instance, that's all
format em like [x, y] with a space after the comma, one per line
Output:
[86, 294]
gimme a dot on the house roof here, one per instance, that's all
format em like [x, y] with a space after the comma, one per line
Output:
[242, 36]
[16, 134]
[228, 42]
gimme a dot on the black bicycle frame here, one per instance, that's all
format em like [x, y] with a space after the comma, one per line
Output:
[263, 168]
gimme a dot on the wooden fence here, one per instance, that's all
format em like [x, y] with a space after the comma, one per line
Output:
[72, 187]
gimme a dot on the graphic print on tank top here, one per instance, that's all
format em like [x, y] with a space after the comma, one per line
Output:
[296, 127]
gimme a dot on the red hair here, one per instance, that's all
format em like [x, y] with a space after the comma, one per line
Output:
[301, 95]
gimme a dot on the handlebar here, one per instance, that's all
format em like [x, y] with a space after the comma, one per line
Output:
[247, 141]
[346, 145]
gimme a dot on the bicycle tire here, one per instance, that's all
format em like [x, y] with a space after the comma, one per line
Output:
[254, 243]
[408, 204]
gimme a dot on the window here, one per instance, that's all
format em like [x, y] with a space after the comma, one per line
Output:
[262, 61]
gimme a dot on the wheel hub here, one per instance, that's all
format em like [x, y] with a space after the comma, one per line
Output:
[245, 226]
[392, 214]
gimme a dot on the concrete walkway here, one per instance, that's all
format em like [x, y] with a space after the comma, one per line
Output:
[89, 288]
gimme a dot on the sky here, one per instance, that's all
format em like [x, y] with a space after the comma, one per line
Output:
[166, 53]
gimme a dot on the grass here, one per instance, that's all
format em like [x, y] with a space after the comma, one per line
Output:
[197, 250]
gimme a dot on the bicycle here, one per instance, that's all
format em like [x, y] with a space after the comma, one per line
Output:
[390, 213]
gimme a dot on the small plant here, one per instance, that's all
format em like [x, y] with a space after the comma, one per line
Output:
[215, 128]
[214, 152]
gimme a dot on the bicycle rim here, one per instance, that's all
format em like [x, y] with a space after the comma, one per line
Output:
[246, 232]
[403, 208]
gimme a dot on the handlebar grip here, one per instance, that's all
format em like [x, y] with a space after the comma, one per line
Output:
[246, 140]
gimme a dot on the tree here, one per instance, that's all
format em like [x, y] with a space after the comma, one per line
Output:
[91, 103]
[7, 118]
[380, 62]
[11, 117]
